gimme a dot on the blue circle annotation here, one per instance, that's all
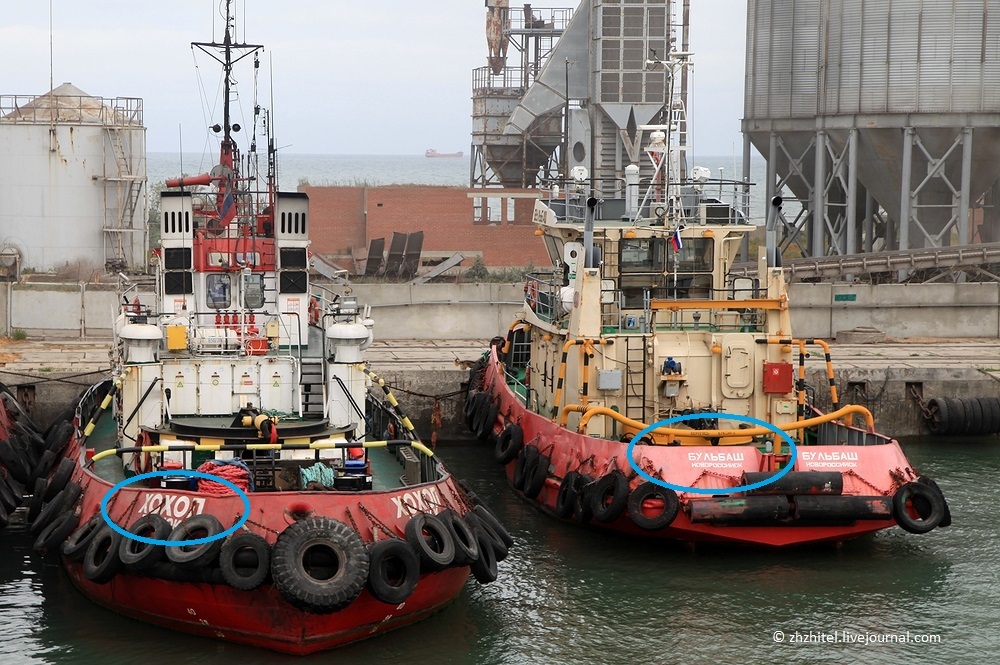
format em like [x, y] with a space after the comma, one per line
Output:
[172, 474]
[713, 490]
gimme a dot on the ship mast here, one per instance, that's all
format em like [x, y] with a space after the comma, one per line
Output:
[227, 53]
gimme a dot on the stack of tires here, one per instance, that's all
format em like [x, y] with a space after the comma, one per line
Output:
[30, 459]
[971, 416]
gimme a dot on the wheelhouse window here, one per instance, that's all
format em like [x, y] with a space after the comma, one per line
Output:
[641, 254]
[253, 291]
[219, 291]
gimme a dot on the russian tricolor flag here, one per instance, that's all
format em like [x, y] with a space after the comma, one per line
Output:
[227, 211]
[675, 240]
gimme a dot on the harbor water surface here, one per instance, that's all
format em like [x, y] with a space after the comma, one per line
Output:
[569, 595]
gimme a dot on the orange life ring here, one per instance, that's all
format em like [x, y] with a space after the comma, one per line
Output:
[531, 289]
[313, 312]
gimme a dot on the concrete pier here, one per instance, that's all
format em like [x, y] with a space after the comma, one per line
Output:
[884, 377]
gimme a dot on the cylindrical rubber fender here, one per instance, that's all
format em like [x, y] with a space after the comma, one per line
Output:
[850, 507]
[4, 518]
[319, 564]
[101, 562]
[566, 497]
[11, 459]
[62, 474]
[938, 421]
[245, 561]
[509, 443]
[991, 415]
[193, 528]
[946, 520]
[432, 540]
[55, 533]
[484, 514]
[659, 512]
[64, 501]
[393, 571]
[973, 416]
[466, 548]
[525, 462]
[534, 479]
[499, 548]
[609, 496]
[484, 568]
[956, 415]
[795, 482]
[76, 545]
[138, 556]
[582, 510]
[37, 500]
[740, 510]
[487, 420]
[918, 507]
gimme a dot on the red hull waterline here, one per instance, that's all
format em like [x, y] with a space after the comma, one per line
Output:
[262, 617]
[868, 471]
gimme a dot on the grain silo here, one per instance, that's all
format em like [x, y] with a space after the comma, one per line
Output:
[73, 180]
[880, 116]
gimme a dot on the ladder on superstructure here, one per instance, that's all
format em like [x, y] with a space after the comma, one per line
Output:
[635, 376]
[120, 224]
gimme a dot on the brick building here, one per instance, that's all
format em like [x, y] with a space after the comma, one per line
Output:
[453, 219]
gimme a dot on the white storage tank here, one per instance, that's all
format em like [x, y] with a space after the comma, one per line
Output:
[73, 181]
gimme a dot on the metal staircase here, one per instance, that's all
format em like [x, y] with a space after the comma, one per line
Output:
[312, 388]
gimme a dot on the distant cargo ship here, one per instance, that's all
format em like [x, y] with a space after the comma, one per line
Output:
[431, 152]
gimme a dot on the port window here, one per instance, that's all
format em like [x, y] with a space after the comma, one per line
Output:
[219, 291]
[253, 291]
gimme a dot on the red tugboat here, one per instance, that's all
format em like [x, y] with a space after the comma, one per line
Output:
[641, 321]
[234, 367]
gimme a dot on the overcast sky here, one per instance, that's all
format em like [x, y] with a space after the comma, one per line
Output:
[350, 76]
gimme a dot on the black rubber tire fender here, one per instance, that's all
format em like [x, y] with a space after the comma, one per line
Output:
[472, 408]
[482, 408]
[195, 556]
[946, 520]
[11, 459]
[490, 520]
[38, 498]
[667, 513]
[62, 474]
[956, 415]
[432, 540]
[525, 461]
[484, 568]
[64, 501]
[245, 561]
[484, 429]
[566, 498]
[138, 556]
[4, 517]
[582, 509]
[319, 564]
[8, 498]
[939, 421]
[973, 416]
[58, 436]
[55, 533]
[76, 545]
[101, 562]
[535, 477]
[927, 502]
[466, 548]
[993, 404]
[393, 571]
[499, 547]
[45, 464]
[509, 444]
[609, 496]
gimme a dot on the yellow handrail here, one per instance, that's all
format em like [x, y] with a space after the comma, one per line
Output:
[590, 412]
